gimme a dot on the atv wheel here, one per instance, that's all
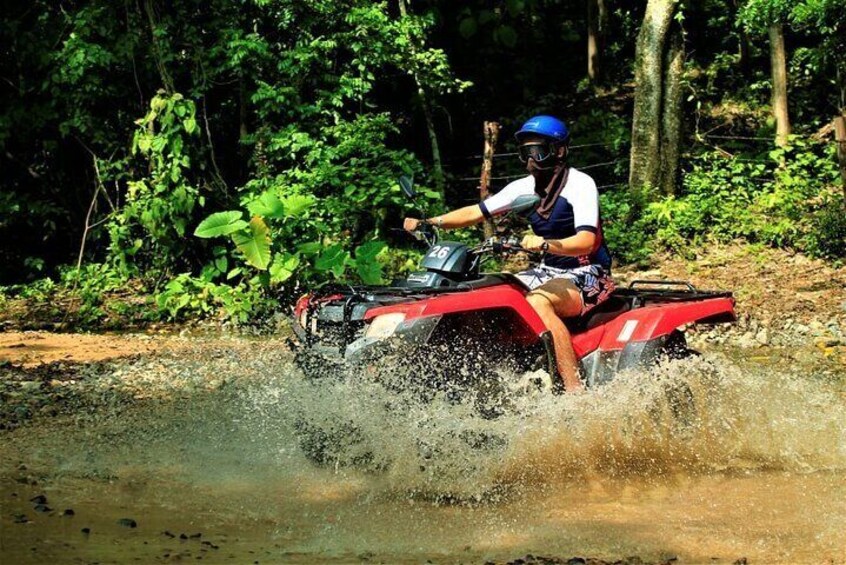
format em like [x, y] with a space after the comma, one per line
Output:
[679, 395]
[336, 443]
[676, 347]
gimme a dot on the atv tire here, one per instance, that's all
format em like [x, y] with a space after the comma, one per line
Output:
[338, 445]
[678, 394]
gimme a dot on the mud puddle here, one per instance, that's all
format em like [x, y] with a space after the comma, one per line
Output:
[756, 471]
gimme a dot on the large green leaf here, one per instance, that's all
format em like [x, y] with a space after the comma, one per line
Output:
[254, 243]
[283, 267]
[366, 265]
[333, 259]
[310, 248]
[368, 268]
[267, 205]
[297, 204]
[369, 250]
[221, 223]
[370, 272]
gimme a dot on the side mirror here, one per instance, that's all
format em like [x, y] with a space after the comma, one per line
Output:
[525, 204]
[407, 185]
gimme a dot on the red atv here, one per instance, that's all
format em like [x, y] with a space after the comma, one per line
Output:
[452, 328]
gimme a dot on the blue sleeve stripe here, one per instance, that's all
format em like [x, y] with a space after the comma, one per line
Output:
[485, 211]
[591, 229]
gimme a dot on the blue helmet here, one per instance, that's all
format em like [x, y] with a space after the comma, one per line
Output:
[545, 126]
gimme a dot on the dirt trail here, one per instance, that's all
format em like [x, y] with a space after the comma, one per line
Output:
[771, 285]
[29, 349]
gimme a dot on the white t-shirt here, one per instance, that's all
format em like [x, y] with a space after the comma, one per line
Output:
[580, 192]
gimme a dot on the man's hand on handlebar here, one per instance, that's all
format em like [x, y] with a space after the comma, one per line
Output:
[532, 243]
[411, 224]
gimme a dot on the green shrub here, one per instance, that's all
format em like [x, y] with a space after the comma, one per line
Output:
[623, 227]
[186, 296]
[827, 235]
[764, 198]
[782, 198]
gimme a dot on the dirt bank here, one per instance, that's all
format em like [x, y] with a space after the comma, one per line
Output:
[770, 285]
[30, 349]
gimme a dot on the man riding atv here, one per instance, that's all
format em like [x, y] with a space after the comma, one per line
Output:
[574, 273]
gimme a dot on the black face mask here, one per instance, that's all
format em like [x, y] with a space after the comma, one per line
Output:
[541, 173]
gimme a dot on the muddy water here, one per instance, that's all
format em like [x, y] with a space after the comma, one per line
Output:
[754, 466]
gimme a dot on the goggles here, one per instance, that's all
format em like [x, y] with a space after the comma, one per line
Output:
[538, 152]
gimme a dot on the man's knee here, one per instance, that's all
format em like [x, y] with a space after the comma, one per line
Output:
[564, 303]
[539, 302]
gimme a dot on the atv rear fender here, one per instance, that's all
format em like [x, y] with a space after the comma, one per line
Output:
[638, 337]
[660, 319]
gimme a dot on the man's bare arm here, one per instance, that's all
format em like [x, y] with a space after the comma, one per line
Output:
[460, 218]
[580, 244]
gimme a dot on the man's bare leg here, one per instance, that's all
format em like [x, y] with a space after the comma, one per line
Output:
[552, 301]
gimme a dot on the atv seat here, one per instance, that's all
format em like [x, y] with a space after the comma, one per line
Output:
[605, 312]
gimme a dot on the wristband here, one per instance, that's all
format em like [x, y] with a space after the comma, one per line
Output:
[545, 246]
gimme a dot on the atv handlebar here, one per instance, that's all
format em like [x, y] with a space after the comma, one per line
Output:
[428, 234]
[425, 232]
[503, 245]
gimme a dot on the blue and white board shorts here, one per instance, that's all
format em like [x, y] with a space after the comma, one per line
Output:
[593, 281]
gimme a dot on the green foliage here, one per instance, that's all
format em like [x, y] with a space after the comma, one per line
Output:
[764, 199]
[160, 206]
[90, 285]
[221, 223]
[285, 124]
[39, 290]
[254, 243]
[188, 297]
[826, 237]
[623, 226]
[757, 15]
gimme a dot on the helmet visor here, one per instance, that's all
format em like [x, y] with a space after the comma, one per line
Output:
[539, 152]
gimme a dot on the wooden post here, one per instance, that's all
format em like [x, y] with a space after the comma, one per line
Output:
[840, 137]
[491, 133]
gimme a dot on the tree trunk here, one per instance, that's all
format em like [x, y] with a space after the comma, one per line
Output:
[244, 131]
[490, 130]
[778, 61]
[593, 41]
[671, 117]
[438, 173]
[167, 80]
[437, 164]
[743, 52]
[653, 69]
[840, 139]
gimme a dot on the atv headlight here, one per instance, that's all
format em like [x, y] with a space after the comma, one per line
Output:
[384, 326]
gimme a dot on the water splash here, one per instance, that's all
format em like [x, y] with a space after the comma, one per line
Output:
[642, 465]
[693, 416]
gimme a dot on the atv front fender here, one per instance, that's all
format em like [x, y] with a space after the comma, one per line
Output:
[409, 333]
[495, 297]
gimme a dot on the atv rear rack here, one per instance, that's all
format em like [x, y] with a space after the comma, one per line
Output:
[679, 291]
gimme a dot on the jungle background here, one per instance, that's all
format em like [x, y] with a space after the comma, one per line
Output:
[171, 161]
